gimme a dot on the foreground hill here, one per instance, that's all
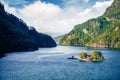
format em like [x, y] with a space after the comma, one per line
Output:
[16, 36]
[103, 31]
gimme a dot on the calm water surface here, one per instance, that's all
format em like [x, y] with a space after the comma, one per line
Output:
[52, 64]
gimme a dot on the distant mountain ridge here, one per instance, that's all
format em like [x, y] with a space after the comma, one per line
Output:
[58, 38]
[16, 36]
[103, 31]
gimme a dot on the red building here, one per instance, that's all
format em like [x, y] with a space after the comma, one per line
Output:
[88, 58]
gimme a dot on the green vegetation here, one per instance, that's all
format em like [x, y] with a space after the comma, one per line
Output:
[117, 45]
[83, 55]
[15, 35]
[95, 56]
[103, 31]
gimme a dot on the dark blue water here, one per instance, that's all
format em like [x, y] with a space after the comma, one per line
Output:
[52, 64]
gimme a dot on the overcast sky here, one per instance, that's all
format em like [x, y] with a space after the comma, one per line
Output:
[56, 15]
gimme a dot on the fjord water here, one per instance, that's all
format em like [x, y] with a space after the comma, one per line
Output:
[52, 64]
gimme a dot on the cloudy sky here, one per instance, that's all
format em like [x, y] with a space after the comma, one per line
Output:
[58, 16]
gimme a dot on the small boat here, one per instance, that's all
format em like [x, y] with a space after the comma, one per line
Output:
[72, 57]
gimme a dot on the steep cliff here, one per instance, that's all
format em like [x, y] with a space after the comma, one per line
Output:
[16, 36]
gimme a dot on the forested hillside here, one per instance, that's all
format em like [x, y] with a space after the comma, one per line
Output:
[15, 35]
[103, 31]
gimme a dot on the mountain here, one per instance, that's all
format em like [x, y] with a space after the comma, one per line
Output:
[43, 40]
[15, 35]
[54, 34]
[58, 38]
[103, 31]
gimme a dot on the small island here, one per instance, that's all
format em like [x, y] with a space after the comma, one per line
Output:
[95, 56]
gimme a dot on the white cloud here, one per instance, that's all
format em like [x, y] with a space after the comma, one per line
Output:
[97, 10]
[47, 17]
[41, 10]
[9, 9]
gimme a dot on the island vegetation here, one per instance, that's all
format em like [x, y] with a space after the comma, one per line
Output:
[95, 56]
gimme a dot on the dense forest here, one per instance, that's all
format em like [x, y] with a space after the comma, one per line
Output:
[103, 31]
[15, 35]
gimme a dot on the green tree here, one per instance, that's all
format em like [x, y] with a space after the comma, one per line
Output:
[117, 45]
[97, 55]
[83, 55]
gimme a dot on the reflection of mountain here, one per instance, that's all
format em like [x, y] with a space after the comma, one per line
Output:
[103, 31]
[16, 36]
